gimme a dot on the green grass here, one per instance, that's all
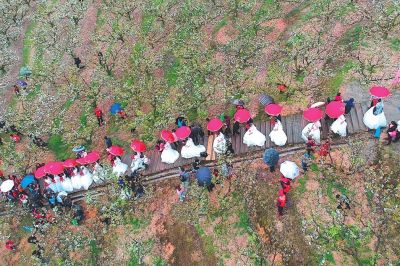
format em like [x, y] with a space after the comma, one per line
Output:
[61, 150]
[336, 81]
[137, 52]
[83, 119]
[192, 115]
[100, 20]
[207, 240]
[27, 45]
[223, 22]
[94, 251]
[147, 23]
[171, 73]
[395, 44]
[35, 92]
[158, 261]
[244, 222]
[353, 37]
[302, 181]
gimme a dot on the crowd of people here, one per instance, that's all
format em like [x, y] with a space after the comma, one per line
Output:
[50, 184]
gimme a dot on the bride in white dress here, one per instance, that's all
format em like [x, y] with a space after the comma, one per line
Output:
[86, 178]
[277, 135]
[374, 121]
[190, 150]
[119, 167]
[253, 137]
[169, 155]
[219, 144]
[66, 184]
[339, 126]
[76, 180]
[312, 130]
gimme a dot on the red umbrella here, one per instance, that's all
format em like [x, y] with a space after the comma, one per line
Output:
[138, 145]
[312, 114]
[54, 168]
[82, 161]
[273, 109]
[214, 125]
[334, 109]
[91, 157]
[242, 115]
[70, 163]
[116, 150]
[380, 92]
[183, 132]
[40, 172]
[167, 135]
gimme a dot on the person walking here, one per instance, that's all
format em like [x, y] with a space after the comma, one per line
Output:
[349, 104]
[325, 150]
[281, 202]
[338, 97]
[108, 142]
[285, 183]
[236, 128]
[343, 202]
[305, 161]
[99, 115]
[392, 132]
[10, 245]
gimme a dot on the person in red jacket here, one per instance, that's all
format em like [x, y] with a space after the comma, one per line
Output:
[338, 97]
[10, 245]
[285, 183]
[281, 202]
[99, 114]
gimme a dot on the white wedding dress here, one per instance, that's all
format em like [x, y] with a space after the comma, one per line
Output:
[76, 180]
[372, 121]
[253, 137]
[137, 163]
[98, 173]
[169, 155]
[66, 184]
[312, 130]
[219, 144]
[191, 151]
[119, 167]
[86, 178]
[277, 135]
[339, 126]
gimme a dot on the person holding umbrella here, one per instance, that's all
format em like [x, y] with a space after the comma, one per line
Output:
[253, 137]
[119, 168]
[277, 135]
[311, 130]
[375, 118]
[336, 109]
[203, 177]
[189, 150]
[271, 158]
[168, 154]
